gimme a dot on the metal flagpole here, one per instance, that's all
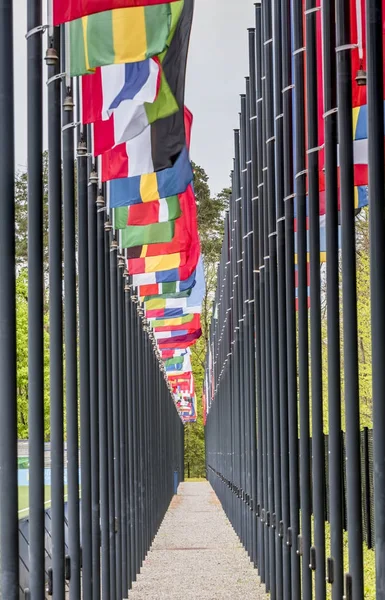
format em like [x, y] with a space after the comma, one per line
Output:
[84, 357]
[374, 37]
[354, 579]
[9, 557]
[288, 191]
[304, 541]
[93, 204]
[36, 288]
[70, 322]
[317, 554]
[56, 312]
[335, 562]
[282, 483]
[102, 389]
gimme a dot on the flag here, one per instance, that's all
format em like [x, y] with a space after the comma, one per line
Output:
[185, 242]
[187, 322]
[146, 234]
[154, 186]
[131, 117]
[159, 211]
[69, 10]
[152, 264]
[168, 288]
[184, 294]
[157, 307]
[110, 87]
[183, 341]
[170, 276]
[119, 36]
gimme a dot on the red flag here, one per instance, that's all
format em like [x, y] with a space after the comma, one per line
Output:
[68, 10]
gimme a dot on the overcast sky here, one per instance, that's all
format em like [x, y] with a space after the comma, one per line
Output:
[218, 63]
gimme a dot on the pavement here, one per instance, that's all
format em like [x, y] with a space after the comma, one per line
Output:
[196, 554]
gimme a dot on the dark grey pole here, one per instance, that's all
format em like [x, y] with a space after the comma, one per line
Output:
[115, 424]
[333, 307]
[304, 542]
[56, 314]
[36, 287]
[94, 377]
[102, 389]
[70, 322]
[349, 297]
[374, 37]
[9, 557]
[317, 559]
[84, 356]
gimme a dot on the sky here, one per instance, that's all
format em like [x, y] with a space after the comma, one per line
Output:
[217, 66]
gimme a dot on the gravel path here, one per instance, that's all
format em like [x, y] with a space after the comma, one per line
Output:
[196, 554]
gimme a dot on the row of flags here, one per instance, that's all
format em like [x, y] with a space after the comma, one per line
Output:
[130, 57]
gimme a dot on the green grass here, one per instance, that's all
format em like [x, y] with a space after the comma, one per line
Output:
[24, 502]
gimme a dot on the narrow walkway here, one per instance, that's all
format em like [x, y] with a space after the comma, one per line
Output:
[196, 554]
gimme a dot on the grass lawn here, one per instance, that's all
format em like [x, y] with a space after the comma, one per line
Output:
[23, 499]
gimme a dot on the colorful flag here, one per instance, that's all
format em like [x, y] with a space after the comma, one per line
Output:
[152, 264]
[146, 234]
[110, 87]
[121, 36]
[167, 136]
[168, 289]
[131, 117]
[147, 188]
[185, 240]
[183, 341]
[186, 322]
[159, 211]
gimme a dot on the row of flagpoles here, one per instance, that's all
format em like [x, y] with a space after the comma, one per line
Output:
[129, 58]
[309, 155]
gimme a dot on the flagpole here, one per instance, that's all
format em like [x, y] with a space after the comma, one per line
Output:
[304, 541]
[335, 561]
[70, 323]
[262, 428]
[94, 199]
[56, 309]
[35, 298]
[114, 425]
[102, 391]
[317, 555]
[292, 399]
[9, 534]
[109, 424]
[374, 37]
[84, 357]
[354, 579]
[282, 483]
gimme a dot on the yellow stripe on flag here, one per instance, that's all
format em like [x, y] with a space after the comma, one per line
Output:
[162, 263]
[149, 187]
[156, 304]
[356, 112]
[144, 251]
[129, 34]
[85, 38]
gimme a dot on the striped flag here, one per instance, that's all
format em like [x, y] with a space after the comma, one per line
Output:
[146, 234]
[159, 211]
[106, 38]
